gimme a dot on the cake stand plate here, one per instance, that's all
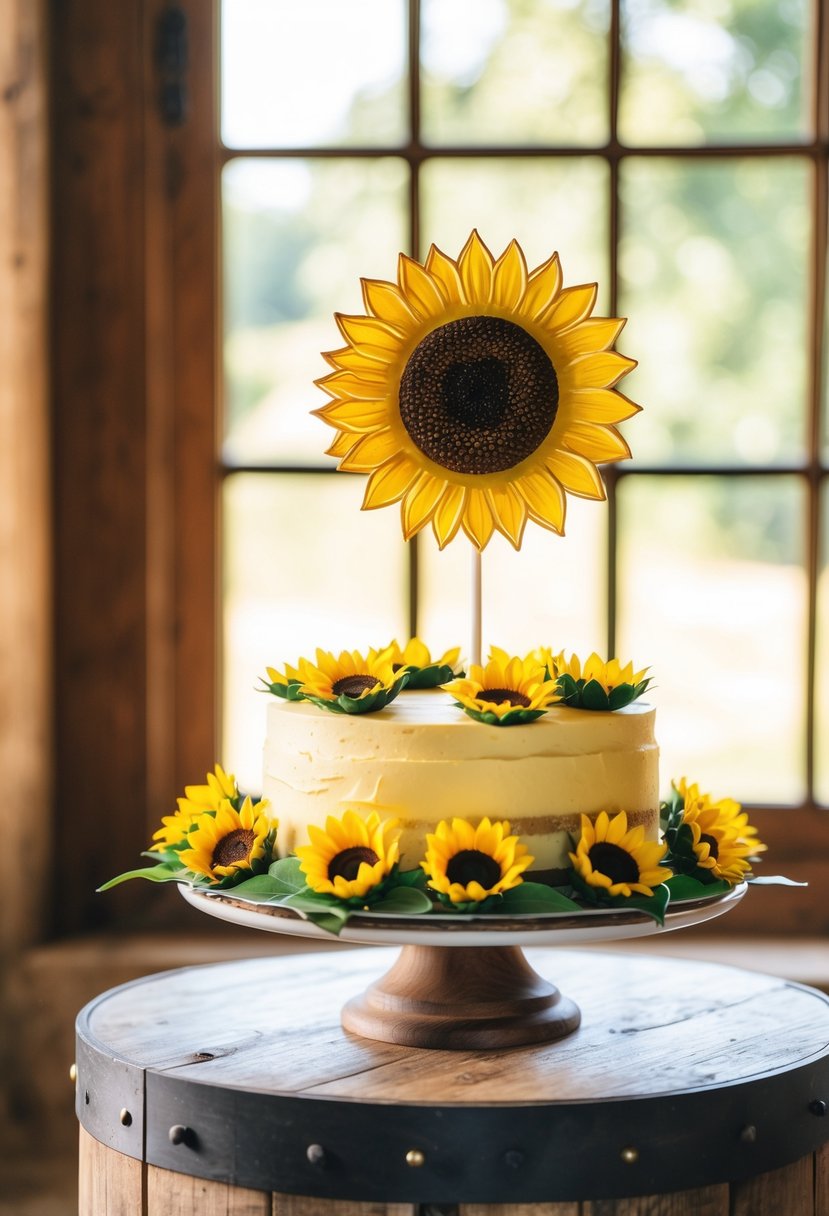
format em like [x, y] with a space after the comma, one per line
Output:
[480, 994]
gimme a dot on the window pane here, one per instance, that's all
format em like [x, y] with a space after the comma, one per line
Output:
[714, 277]
[713, 597]
[822, 665]
[297, 237]
[504, 71]
[531, 200]
[551, 593]
[698, 72]
[303, 568]
[312, 74]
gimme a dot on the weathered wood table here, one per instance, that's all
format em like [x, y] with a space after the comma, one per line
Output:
[233, 1089]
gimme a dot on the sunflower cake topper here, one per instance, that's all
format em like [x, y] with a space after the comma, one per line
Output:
[477, 393]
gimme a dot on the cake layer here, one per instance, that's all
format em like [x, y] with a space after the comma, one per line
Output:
[422, 759]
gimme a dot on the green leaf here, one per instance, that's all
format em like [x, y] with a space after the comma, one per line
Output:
[408, 878]
[535, 897]
[774, 880]
[261, 885]
[404, 900]
[322, 910]
[288, 874]
[593, 696]
[160, 873]
[620, 696]
[655, 905]
[684, 886]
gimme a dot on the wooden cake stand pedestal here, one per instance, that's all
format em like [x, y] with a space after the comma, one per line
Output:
[689, 1089]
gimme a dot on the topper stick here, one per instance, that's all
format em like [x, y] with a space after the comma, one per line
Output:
[475, 641]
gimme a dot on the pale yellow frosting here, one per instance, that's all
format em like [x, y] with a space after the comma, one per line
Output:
[421, 760]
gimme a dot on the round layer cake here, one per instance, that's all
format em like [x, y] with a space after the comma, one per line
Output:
[421, 759]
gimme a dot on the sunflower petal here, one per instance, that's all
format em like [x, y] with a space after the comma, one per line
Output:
[602, 370]
[419, 288]
[369, 451]
[543, 286]
[573, 304]
[420, 502]
[448, 514]
[477, 522]
[577, 474]
[602, 405]
[389, 483]
[384, 301]
[358, 416]
[347, 386]
[368, 332]
[509, 511]
[369, 365]
[595, 442]
[509, 277]
[475, 266]
[593, 334]
[446, 274]
[544, 498]
[342, 444]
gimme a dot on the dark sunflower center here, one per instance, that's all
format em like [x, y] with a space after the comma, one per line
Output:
[353, 686]
[236, 846]
[615, 863]
[713, 845]
[478, 395]
[347, 864]
[506, 694]
[472, 866]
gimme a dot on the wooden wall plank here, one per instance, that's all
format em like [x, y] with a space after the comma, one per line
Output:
[25, 513]
[302, 1205]
[822, 1181]
[110, 1184]
[786, 1192]
[171, 1194]
[519, 1209]
[703, 1201]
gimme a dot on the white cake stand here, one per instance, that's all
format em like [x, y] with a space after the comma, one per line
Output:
[480, 994]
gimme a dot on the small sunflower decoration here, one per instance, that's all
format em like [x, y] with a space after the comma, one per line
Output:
[597, 684]
[424, 671]
[350, 683]
[507, 692]
[286, 684]
[229, 845]
[709, 840]
[477, 393]
[614, 861]
[197, 799]
[468, 866]
[352, 858]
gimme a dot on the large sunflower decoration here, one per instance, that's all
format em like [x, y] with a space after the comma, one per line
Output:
[709, 840]
[468, 866]
[508, 691]
[475, 393]
[613, 862]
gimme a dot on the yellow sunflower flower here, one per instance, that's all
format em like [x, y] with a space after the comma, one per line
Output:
[466, 864]
[424, 671]
[351, 683]
[284, 684]
[476, 392]
[352, 858]
[507, 691]
[713, 839]
[229, 842]
[598, 684]
[197, 799]
[618, 861]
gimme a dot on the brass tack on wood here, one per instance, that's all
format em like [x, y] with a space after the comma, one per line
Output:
[415, 1157]
[748, 1135]
[818, 1107]
[73, 1072]
[178, 1134]
[630, 1155]
[315, 1154]
[125, 1117]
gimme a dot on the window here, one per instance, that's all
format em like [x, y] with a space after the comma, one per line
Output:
[671, 154]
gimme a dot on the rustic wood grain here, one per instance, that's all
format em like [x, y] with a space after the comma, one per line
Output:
[642, 1032]
[172, 1194]
[702, 1201]
[519, 1209]
[786, 1192]
[25, 506]
[303, 1205]
[822, 1181]
[109, 1184]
